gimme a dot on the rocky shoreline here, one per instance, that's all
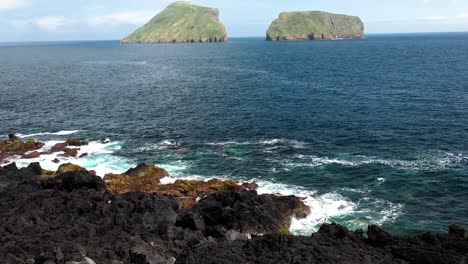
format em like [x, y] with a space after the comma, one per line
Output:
[74, 216]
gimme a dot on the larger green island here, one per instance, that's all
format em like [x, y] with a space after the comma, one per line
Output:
[181, 22]
[315, 25]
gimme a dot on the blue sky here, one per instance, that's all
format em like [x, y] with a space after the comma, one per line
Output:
[44, 20]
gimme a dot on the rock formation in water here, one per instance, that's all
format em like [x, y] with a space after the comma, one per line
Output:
[315, 25]
[181, 22]
[31, 149]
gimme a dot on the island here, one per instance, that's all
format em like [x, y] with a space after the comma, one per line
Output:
[181, 22]
[315, 25]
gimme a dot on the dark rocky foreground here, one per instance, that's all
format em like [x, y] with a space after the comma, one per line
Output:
[72, 217]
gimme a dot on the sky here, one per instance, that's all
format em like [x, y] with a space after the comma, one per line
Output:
[56, 20]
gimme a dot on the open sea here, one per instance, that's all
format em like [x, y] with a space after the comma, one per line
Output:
[368, 131]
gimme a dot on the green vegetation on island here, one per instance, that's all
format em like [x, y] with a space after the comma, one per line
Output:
[181, 22]
[315, 25]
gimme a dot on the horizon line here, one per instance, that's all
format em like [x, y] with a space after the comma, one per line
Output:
[235, 37]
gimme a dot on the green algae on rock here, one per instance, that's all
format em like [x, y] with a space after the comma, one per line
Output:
[315, 25]
[181, 22]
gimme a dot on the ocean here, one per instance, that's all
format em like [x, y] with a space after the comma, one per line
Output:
[371, 131]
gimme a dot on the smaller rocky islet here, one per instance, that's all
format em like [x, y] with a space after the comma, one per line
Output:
[315, 25]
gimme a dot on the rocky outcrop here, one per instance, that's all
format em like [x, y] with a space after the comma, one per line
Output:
[181, 22]
[16, 147]
[72, 217]
[30, 149]
[146, 178]
[315, 25]
[244, 213]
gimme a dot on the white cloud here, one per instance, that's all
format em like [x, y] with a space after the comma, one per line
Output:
[134, 18]
[462, 16]
[49, 23]
[434, 18]
[7, 5]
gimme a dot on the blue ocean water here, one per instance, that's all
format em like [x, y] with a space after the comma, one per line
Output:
[369, 131]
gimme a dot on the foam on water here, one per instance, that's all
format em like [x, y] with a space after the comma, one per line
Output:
[59, 133]
[165, 144]
[100, 157]
[226, 143]
[323, 207]
[422, 162]
[264, 143]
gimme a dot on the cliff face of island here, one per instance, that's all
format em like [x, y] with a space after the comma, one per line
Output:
[181, 22]
[315, 25]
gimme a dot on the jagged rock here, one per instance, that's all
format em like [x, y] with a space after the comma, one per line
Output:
[16, 146]
[245, 212]
[250, 185]
[68, 152]
[31, 155]
[458, 231]
[68, 167]
[13, 137]
[29, 149]
[85, 260]
[147, 170]
[80, 179]
[191, 220]
[146, 178]
[76, 142]
[112, 176]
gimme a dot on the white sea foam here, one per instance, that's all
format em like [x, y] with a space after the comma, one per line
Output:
[225, 143]
[323, 207]
[283, 141]
[175, 168]
[165, 144]
[99, 158]
[435, 161]
[266, 143]
[116, 62]
[59, 133]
